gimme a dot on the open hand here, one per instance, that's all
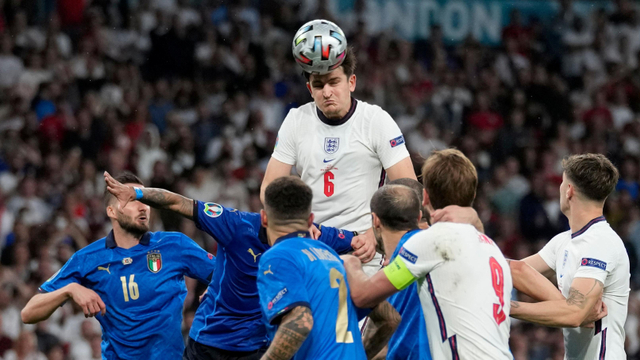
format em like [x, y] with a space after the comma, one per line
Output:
[123, 193]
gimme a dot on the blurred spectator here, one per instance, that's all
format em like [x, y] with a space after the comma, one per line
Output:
[25, 348]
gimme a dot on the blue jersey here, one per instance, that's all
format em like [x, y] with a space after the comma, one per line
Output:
[299, 271]
[143, 289]
[229, 316]
[409, 341]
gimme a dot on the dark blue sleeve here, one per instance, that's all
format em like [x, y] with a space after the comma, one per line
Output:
[362, 313]
[198, 264]
[220, 222]
[71, 272]
[279, 285]
[337, 239]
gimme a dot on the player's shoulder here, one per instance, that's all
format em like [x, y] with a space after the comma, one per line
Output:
[301, 113]
[166, 237]
[212, 211]
[95, 247]
[372, 112]
[602, 235]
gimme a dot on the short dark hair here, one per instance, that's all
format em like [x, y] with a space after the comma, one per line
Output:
[450, 178]
[411, 183]
[288, 199]
[124, 178]
[397, 206]
[348, 65]
[593, 175]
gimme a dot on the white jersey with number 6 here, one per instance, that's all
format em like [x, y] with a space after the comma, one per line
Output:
[464, 284]
[594, 252]
[343, 164]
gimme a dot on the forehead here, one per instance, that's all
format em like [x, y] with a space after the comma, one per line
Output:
[337, 73]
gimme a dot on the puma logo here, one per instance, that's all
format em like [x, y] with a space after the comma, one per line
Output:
[255, 256]
[105, 268]
[268, 271]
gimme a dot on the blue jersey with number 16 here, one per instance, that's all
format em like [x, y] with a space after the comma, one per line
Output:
[298, 271]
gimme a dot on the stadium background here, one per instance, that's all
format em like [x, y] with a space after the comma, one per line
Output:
[189, 95]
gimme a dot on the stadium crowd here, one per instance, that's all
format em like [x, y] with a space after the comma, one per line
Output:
[190, 96]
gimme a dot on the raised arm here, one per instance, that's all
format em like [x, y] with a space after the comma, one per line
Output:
[41, 306]
[386, 320]
[584, 295]
[157, 198]
[530, 282]
[539, 265]
[275, 169]
[403, 169]
[292, 332]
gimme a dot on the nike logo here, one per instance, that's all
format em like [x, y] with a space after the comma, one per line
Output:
[326, 161]
[105, 268]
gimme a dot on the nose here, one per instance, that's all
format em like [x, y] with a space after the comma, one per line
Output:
[326, 91]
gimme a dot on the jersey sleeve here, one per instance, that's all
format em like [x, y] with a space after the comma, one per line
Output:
[597, 260]
[414, 261]
[220, 222]
[198, 264]
[548, 252]
[388, 140]
[71, 272]
[337, 239]
[279, 285]
[285, 149]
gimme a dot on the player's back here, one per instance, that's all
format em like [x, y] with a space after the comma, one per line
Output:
[301, 271]
[465, 294]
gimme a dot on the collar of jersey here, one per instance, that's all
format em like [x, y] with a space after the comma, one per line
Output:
[346, 118]
[110, 241]
[296, 234]
[586, 227]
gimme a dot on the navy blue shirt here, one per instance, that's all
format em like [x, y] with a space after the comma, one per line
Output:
[299, 271]
[143, 289]
[229, 316]
[409, 341]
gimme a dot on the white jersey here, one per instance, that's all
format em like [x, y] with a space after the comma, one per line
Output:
[465, 285]
[594, 252]
[343, 164]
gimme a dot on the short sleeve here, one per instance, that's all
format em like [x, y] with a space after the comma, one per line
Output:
[71, 272]
[337, 239]
[597, 260]
[548, 252]
[198, 263]
[414, 260]
[388, 140]
[285, 149]
[222, 223]
[279, 285]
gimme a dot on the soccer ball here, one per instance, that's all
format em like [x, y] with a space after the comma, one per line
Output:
[319, 47]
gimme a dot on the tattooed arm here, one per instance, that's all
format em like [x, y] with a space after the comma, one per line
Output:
[385, 321]
[292, 332]
[582, 306]
[157, 198]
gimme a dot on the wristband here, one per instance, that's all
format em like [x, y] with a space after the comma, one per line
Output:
[138, 193]
[355, 233]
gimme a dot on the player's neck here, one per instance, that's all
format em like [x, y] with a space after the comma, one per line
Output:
[580, 215]
[276, 232]
[125, 239]
[391, 240]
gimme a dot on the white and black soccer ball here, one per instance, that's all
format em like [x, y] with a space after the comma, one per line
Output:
[319, 47]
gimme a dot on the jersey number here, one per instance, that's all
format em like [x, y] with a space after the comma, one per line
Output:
[328, 185]
[497, 279]
[133, 288]
[343, 335]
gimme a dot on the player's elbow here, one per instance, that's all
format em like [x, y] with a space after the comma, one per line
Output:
[27, 315]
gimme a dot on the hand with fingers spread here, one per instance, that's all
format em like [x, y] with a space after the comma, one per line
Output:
[364, 246]
[122, 192]
[88, 300]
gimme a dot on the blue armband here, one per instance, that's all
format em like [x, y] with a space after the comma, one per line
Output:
[138, 193]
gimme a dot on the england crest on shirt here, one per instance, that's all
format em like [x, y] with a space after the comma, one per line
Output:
[331, 145]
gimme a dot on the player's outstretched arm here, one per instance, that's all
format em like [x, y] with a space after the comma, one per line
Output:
[386, 320]
[41, 306]
[292, 332]
[275, 169]
[367, 292]
[585, 295]
[157, 198]
[539, 265]
[530, 282]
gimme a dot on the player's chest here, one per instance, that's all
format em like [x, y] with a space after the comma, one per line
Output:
[333, 148]
[139, 277]
[567, 263]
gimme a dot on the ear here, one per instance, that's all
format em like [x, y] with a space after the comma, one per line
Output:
[571, 191]
[352, 82]
[425, 201]
[111, 212]
[263, 218]
[420, 217]
[310, 220]
[309, 88]
[376, 221]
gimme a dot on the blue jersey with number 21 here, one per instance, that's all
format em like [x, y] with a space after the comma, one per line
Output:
[143, 289]
[298, 271]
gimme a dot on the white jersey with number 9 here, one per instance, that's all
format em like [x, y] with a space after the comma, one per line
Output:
[343, 162]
